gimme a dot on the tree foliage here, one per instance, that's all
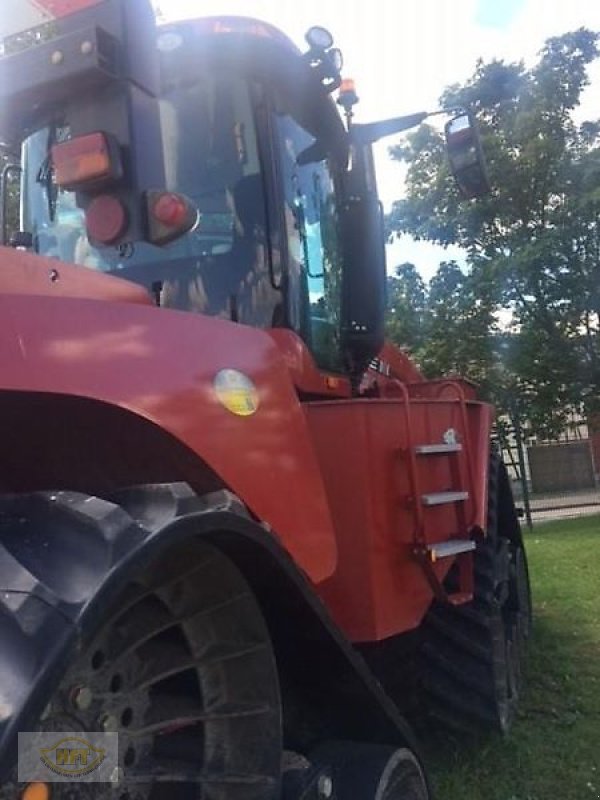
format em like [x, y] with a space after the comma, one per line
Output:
[407, 298]
[446, 324]
[533, 245]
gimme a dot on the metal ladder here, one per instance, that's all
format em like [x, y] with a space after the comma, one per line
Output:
[428, 554]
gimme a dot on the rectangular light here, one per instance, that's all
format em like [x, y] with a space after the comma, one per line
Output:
[86, 161]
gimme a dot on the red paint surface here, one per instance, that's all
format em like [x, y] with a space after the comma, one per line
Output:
[307, 377]
[331, 477]
[379, 589]
[61, 8]
[161, 365]
[26, 274]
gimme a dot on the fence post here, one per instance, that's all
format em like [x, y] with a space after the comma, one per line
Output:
[521, 454]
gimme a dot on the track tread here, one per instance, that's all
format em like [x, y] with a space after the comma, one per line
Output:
[470, 672]
[181, 665]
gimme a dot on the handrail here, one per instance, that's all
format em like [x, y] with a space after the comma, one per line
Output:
[467, 442]
[414, 483]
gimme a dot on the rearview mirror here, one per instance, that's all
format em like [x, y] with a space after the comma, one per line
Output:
[466, 156]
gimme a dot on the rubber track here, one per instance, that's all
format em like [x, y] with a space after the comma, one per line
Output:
[190, 621]
[463, 658]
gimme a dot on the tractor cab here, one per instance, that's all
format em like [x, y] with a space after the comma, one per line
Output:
[240, 220]
[205, 160]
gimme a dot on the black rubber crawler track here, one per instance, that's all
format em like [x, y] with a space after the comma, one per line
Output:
[183, 669]
[470, 659]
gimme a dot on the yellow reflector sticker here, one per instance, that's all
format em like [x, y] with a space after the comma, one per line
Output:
[236, 392]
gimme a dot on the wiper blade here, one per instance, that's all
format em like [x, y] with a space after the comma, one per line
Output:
[45, 177]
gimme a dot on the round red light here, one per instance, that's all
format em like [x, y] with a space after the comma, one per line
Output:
[106, 219]
[170, 210]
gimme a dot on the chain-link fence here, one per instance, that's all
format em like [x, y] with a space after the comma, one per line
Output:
[553, 480]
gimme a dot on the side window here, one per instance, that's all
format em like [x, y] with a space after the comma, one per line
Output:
[211, 154]
[314, 258]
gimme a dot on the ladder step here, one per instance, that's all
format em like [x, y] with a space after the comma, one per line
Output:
[451, 548]
[434, 449]
[441, 498]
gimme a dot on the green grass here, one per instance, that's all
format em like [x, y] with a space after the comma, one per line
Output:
[553, 751]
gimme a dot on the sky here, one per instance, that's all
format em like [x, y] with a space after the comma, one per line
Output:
[403, 53]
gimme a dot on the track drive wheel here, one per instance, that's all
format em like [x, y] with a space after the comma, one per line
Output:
[471, 657]
[184, 671]
[372, 772]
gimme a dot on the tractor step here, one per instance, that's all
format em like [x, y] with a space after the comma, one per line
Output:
[437, 449]
[441, 498]
[451, 548]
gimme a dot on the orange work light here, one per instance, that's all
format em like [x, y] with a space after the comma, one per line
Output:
[86, 161]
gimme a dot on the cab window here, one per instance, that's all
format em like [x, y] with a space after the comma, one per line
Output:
[312, 245]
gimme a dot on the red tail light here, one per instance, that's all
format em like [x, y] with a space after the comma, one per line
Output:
[169, 215]
[106, 219]
[170, 209]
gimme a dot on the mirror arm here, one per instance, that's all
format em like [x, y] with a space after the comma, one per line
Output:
[370, 132]
[373, 131]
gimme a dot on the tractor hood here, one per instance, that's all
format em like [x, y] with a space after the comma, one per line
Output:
[25, 273]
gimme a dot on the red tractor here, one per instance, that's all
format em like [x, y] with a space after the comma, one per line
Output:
[236, 526]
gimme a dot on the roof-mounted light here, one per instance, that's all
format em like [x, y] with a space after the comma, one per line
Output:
[318, 38]
[326, 61]
[336, 58]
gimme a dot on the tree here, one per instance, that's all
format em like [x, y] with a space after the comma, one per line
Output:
[407, 299]
[448, 325]
[536, 240]
[460, 327]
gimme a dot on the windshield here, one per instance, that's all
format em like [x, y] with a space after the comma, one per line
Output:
[211, 155]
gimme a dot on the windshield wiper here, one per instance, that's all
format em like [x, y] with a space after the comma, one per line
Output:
[45, 177]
